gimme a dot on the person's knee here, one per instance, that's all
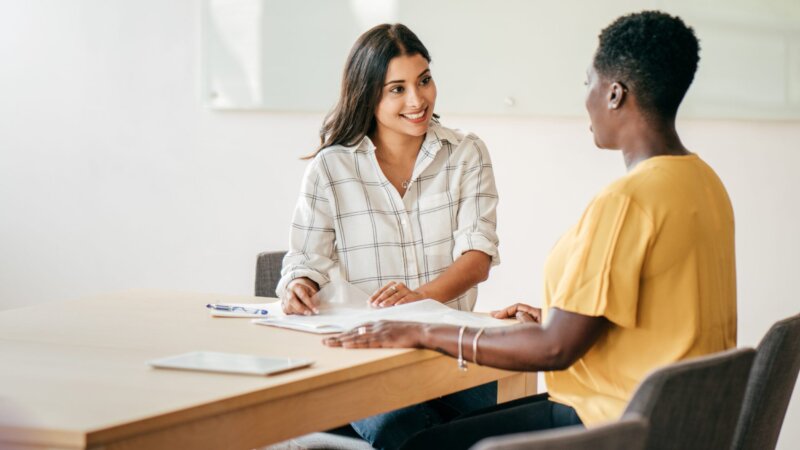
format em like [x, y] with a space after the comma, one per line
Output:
[390, 430]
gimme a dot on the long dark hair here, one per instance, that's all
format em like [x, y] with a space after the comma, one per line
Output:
[353, 117]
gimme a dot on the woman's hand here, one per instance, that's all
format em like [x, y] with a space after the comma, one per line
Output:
[384, 334]
[394, 293]
[300, 297]
[520, 311]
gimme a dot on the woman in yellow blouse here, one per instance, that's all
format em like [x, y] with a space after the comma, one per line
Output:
[644, 279]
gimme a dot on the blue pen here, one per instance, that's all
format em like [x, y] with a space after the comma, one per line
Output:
[229, 308]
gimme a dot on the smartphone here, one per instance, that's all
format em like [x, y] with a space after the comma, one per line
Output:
[230, 363]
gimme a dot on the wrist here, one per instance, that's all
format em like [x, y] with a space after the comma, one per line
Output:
[424, 335]
[303, 280]
[429, 292]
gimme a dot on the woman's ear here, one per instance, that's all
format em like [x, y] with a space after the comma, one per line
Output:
[616, 95]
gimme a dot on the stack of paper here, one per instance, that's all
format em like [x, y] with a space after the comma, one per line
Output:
[336, 319]
[343, 306]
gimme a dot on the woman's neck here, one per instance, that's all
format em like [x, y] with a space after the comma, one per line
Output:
[646, 140]
[395, 147]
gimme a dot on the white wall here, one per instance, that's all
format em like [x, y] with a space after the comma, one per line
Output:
[113, 176]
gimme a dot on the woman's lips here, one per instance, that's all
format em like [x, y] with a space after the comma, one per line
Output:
[416, 117]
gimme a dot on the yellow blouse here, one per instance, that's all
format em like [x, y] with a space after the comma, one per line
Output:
[653, 254]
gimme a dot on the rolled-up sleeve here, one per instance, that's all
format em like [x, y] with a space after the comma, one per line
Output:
[477, 211]
[311, 251]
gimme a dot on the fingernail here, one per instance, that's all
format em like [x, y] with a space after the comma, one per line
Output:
[307, 313]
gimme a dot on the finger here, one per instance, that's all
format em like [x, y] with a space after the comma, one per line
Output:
[398, 291]
[288, 304]
[332, 342]
[392, 299]
[354, 334]
[312, 292]
[524, 317]
[306, 297]
[385, 292]
[511, 311]
[380, 291]
[359, 342]
[297, 307]
[505, 313]
[536, 313]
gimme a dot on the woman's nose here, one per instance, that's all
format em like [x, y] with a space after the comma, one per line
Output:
[413, 98]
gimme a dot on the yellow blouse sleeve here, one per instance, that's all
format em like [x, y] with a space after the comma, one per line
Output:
[603, 267]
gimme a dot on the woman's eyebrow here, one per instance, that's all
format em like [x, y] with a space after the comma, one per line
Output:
[403, 81]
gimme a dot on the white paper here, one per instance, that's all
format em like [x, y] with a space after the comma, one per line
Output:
[343, 307]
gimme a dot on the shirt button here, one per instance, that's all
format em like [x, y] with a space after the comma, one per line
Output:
[404, 221]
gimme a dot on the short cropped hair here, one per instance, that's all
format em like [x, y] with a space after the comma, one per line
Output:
[652, 53]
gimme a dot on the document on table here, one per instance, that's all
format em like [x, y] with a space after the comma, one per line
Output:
[343, 307]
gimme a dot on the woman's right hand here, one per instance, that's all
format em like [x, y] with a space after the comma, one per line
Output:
[299, 297]
[520, 311]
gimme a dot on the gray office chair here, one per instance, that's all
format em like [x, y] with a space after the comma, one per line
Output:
[629, 433]
[769, 387]
[694, 404]
[268, 273]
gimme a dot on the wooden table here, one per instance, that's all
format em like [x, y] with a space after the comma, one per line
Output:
[74, 375]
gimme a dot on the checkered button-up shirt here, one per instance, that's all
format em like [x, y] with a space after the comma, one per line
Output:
[350, 218]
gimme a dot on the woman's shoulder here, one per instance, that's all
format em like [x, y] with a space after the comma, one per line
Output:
[337, 155]
[453, 135]
[335, 151]
[328, 162]
[464, 142]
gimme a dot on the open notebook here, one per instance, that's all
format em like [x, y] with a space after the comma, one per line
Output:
[343, 307]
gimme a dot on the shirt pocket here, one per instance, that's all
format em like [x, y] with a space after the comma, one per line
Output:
[436, 219]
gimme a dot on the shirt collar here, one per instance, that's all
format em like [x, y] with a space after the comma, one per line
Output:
[430, 146]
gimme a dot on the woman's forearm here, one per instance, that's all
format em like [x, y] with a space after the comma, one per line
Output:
[524, 347]
[469, 269]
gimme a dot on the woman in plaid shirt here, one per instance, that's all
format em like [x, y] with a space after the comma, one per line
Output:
[401, 206]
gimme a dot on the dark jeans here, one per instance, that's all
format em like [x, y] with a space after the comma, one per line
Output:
[518, 416]
[392, 429]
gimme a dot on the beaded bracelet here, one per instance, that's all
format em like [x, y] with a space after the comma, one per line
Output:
[462, 363]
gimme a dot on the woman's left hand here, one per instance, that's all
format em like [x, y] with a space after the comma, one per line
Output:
[383, 334]
[394, 293]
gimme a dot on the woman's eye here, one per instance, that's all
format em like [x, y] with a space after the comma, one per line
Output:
[397, 90]
[426, 80]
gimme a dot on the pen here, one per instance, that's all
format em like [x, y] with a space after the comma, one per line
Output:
[230, 308]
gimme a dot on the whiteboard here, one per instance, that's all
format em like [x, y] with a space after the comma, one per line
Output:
[504, 57]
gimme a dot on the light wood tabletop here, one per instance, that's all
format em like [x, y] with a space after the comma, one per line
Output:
[73, 374]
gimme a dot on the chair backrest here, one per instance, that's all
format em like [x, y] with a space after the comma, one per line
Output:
[628, 433]
[268, 273]
[694, 404]
[769, 387]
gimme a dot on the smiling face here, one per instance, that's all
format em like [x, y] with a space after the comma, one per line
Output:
[407, 98]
